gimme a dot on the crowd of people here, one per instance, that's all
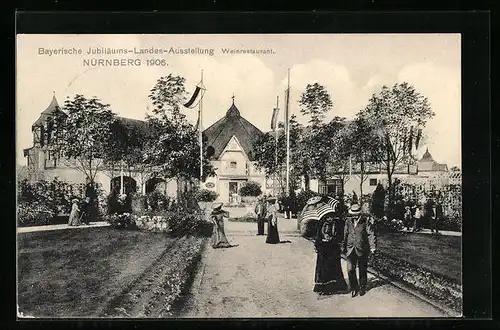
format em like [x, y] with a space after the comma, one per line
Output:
[266, 210]
[345, 230]
[414, 214]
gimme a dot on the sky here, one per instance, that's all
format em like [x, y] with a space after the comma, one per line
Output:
[351, 67]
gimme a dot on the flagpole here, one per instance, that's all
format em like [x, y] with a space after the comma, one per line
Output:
[275, 187]
[122, 191]
[287, 131]
[199, 129]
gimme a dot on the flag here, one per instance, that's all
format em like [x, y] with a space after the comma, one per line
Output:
[195, 98]
[274, 119]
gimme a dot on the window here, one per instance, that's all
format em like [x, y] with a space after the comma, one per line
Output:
[232, 164]
[373, 182]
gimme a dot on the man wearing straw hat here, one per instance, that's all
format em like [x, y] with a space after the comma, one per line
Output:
[359, 241]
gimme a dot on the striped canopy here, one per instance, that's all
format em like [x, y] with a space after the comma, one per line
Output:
[317, 213]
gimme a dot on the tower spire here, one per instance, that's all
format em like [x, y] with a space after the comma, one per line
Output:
[232, 97]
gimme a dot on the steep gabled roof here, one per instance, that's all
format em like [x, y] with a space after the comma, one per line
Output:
[49, 112]
[427, 157]
[141, 125]
[232, 124]
[428, 164]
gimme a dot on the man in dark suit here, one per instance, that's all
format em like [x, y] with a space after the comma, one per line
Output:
[85, 209]
[359, 241]
[260, 211]
[436, 215]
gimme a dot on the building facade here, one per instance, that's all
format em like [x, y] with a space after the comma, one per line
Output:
[230, 141]
[43, 162]
[426, 172]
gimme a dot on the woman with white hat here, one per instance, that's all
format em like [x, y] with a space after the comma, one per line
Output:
[219, 239]
[74, 216]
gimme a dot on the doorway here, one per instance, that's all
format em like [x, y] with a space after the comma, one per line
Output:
[233, 190]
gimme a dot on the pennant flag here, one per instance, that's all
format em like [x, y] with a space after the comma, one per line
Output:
[195, 98]
[274, 119]
[417, 139]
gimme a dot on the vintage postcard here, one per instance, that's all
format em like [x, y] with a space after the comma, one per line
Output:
[229, 176]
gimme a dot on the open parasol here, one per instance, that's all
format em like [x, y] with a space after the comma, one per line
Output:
[318, 212]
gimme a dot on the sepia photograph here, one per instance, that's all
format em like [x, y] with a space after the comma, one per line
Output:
[239, 175]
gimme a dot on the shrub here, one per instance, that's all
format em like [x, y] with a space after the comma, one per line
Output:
[56, 195]
[139, 203]
[303, 197]
[157, 201]
[34, 214]
[112, 204]
[377, 204]
[250, 188]
[206, 195]
[174, 223]
[182, 224]
[389, 225]
[121, 221]
[451, 223]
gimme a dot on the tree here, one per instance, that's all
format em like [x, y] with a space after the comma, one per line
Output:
[315, 102]
[359, 142]
[86, 134]
[265, 152]
[315, 141]
[397, 115]
[133, 147]
[173, 147]
[250, 188]
[378, 197]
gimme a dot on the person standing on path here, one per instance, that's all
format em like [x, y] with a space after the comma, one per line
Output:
[219, 239]
[85, 208]
[359, 241]
[260, 211]
[407, 217]
[328, 276]
[435, 215]
[74, 215]
[416, 218]
[272, 221]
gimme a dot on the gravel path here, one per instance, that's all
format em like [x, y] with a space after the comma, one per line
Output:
[255, 279]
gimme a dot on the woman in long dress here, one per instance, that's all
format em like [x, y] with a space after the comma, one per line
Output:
[272, 222]
[329, 278]
[74, 215]
[219, 239]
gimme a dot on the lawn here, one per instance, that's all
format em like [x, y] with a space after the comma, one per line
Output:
[75, 273]
[439, 253]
